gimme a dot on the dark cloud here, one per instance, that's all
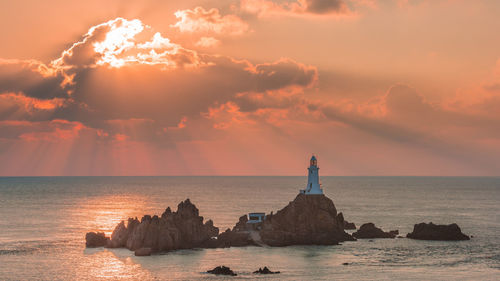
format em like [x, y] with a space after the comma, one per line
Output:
[146, 96]
[495, 87]
[29, 78]
[325, 6]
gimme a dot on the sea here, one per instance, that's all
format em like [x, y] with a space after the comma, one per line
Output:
[43, 221]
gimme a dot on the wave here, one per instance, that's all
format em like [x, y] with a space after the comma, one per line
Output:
[30, 247]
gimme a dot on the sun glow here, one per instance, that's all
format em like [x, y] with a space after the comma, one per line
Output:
[123, 44]
[118, 40]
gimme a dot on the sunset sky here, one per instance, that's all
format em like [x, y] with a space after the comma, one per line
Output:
[250, 87]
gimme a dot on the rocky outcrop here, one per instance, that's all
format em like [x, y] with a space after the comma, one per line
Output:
[231, 238]
[345, 224]
[182, 229]
[430, 231]
[93, 239]
[222, 270]
[307, 220]
[265, 270]
[143, 252]
[369, 231]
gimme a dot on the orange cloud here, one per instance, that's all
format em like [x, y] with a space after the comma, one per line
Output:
[50, 131]
[30, 104]
[207, 42]
[117, 43]
[209, 21]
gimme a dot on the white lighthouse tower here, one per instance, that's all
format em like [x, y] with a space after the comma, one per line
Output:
[313, 186]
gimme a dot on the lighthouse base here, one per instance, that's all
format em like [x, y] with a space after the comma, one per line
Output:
[312, 191]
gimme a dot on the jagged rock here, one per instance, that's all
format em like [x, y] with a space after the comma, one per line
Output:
[307, 220]
[394, 232]
[265, 270]
[93, 239]
[222, 270]
[349, 225]
[143, 252]
[173, 230]
[369, 230]
[430, 231]
[345, 224]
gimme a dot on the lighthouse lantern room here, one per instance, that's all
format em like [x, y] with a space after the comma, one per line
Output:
[313, 185]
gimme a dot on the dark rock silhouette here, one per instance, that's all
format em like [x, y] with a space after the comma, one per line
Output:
[222, 270]
[430, 231]
[345, 224]
[239, 236]
[265, 270]
[143, 252]
[395, 232]
[369, 230]
[182, 229]
[93, 239]
[307, 220]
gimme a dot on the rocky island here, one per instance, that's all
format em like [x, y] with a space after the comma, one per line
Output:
[307, 220]
[310, 219]
[369, 231]
[430, 231]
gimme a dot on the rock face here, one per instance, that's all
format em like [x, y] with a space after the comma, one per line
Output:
[307, 220]
[369, 230]
[239, 236]
[265, 270]
[222, 270]
[98, 239]
[182, 229]
[143, 252]
[430, 231]
[346, 225]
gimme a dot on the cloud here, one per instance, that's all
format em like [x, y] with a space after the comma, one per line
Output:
[20, 107]
[53, 131]
[123, 79]
[264, 8]
[209, 21]
[122, 42]
[324, 6]
[32, 78]
[207, 42]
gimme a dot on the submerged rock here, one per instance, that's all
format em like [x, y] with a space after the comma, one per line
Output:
[265, 270]
[430, 231]
[143, 252]
[307, 220]
[222, 270]
[182, 229]
[369, 230]
[93, 239]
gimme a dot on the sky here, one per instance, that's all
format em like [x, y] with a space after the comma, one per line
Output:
[249, 87]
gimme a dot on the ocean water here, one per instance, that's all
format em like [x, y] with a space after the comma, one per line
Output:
[43, 221]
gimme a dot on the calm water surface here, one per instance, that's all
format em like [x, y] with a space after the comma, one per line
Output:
[43, 222]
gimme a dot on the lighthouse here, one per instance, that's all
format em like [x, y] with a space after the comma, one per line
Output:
[313, 186]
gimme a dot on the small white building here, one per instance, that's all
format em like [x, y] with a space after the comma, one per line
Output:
[313, 185]
[256, 217]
